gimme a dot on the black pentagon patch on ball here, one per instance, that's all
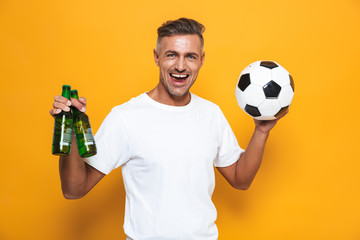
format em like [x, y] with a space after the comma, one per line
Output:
[292, 83]
[281, 111]
[272, 89]
[244, 81]
[253, 111]
[268, 64]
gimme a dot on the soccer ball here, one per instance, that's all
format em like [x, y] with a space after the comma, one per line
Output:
[264, 90]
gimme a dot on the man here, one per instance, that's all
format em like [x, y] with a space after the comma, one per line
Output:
[167, 141]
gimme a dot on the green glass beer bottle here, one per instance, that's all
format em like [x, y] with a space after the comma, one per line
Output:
[84, 136]
[63, 128]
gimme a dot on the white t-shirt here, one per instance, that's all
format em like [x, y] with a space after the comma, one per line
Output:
[167, 155]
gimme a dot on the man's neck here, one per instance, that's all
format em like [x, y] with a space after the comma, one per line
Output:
[165, 97]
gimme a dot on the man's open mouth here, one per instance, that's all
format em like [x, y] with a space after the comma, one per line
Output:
[179, 77]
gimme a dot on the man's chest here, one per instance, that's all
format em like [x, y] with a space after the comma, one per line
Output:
[174, 141]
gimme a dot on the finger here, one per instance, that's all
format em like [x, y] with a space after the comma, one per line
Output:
[61, 106]
[62, 100]
[286, 112]
[78, 105]
[82, 100]
[55, 111]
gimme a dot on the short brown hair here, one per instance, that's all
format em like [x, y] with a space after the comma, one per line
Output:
[181, 26]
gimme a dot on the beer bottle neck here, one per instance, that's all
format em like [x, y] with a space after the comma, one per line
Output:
[66, 91]
[74, 94]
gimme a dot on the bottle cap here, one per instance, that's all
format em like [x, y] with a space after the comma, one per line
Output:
[66, 91]
[74, 94]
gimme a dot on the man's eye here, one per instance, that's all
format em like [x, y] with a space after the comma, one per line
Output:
[171, 55]
[192, 57]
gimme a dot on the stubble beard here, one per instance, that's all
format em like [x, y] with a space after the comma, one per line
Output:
[176, 93]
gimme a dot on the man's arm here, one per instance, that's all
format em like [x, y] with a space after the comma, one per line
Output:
[77, 177]
[241, 174]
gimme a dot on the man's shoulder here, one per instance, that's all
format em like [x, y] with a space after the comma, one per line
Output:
[204, 103]
[134, 102]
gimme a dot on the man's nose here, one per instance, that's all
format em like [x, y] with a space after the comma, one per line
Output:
[180, 65]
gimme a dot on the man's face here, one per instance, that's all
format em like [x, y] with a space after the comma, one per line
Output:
[179, 59]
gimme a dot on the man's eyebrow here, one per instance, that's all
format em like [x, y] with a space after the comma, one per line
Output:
[170, 51]
[192, 53]
[187, 54]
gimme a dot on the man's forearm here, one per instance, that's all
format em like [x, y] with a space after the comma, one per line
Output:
[73, 173]
[250, 161]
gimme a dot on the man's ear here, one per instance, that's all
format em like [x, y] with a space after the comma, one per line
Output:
[202, 58]
[156, 57]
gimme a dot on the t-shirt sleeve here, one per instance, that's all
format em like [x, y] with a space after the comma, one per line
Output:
[229, 149]
[112, 144]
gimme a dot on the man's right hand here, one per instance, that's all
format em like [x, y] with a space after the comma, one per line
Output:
[63, 104]
[77, 177]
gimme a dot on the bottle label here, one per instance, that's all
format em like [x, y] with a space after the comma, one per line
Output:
[62, 131]
[89, 137]
[66, 137]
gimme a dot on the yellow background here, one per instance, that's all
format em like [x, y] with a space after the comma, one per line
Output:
[308, 184]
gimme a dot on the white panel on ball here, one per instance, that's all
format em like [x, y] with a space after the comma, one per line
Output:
[254, 95]
[254, 64]
[260, 75]
[240, 98]
[246, 70]
[280, 76]
[269, 108]
[286, 95]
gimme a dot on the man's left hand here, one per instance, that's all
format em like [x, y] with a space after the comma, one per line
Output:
[266, 125]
